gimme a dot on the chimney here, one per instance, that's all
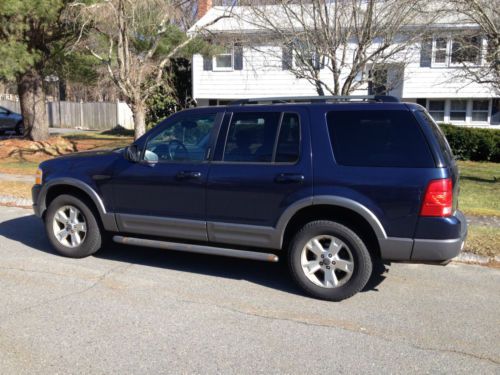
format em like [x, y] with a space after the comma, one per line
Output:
[203, 7]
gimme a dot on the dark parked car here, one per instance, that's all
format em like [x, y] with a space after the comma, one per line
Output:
[11, 121]
[333, 183]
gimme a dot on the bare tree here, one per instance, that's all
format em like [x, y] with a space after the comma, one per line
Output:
[480, 61]
[136, 41]
[341, 45]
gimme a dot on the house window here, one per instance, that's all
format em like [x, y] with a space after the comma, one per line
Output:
[480, 109]
[440, 50]
[458, 110]
[377, 85]
[465, 50]
[436, 109]
[453, 51]
[224, 61]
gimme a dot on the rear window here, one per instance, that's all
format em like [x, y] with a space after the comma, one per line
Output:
[378, 139]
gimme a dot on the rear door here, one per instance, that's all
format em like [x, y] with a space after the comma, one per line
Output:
[262, 165]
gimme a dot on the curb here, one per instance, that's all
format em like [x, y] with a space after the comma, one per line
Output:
[471, 258]
[7, 200]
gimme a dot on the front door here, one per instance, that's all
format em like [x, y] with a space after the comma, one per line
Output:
[164, 193]
[262, 166]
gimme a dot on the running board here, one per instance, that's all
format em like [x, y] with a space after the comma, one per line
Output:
[200, 249]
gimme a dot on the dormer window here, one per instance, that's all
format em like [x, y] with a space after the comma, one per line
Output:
[455, 51]
[224, 60]
[466, 50]
[440, 51]
[230, 59]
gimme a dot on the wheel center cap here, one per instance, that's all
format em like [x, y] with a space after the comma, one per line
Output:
[326, 261]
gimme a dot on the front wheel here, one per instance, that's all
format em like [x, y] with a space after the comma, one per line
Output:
[72, 227]
[329, 261]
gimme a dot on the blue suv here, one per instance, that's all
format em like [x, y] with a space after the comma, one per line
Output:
[332, 183]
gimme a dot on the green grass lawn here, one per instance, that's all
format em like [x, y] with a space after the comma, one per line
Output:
[479, 188]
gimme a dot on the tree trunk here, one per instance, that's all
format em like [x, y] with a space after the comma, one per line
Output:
[139, 113]
[33, 108]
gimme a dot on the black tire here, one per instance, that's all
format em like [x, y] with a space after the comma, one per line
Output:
[361, 260]
[92, 240]
[19, 129]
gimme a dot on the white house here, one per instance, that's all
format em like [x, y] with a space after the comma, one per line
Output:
[429, 78]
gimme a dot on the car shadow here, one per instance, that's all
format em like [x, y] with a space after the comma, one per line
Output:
[29, 230]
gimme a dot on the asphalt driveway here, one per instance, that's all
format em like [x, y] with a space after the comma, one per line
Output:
[136, 310]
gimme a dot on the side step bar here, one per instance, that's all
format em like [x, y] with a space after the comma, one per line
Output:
[200, 249]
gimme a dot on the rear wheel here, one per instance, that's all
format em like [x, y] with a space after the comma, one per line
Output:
[329, 261]
[72, 227]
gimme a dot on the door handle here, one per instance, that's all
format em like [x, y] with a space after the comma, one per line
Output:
[289, 178]
[188, 175]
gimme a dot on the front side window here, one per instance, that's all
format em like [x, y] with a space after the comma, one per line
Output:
[251, 137]
[184, 140]
[3, 111]
[480, 109]
[372, 138]
[436, 109]
[458, 110]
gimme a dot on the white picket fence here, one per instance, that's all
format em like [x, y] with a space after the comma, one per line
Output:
[81, 115]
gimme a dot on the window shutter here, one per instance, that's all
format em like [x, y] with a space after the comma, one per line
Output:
[238, 57]
[207, 63]
[426, 53]
[287, 58]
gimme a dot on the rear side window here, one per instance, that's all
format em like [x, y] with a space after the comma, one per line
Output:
[263, 137]
[287, 149]
[378, 139]
[438, 133]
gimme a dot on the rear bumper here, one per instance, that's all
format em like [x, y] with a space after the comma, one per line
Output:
[435, 250]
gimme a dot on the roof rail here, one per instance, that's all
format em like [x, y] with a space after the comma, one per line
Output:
[318, 99]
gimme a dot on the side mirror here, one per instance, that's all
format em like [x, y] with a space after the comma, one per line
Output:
[132, 153]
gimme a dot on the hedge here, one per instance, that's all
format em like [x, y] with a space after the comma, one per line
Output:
[472, 143]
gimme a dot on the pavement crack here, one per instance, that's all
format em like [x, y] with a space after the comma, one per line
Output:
[343, 326]
[96, 282]
[35, 271]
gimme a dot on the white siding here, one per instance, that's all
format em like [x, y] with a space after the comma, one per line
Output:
[439, 82]
[261, 76]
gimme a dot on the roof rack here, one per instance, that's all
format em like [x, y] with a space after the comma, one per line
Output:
[318, 99]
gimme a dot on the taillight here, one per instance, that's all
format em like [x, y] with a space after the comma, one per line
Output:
[438, 199]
